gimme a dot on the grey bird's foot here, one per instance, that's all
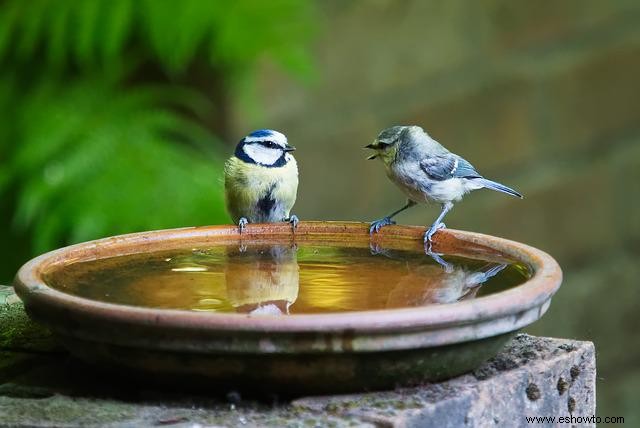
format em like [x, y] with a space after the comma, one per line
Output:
[448, 267]
[431, 231]
[376, 225]
[242, 223]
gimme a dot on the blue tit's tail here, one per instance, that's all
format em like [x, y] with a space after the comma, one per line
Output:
[498, 187]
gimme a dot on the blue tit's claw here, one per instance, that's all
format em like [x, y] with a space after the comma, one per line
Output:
[377, 250]
[293, 219]
[242, 223]
[376, 225]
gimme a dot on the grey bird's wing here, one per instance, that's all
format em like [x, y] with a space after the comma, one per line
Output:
[445, 166]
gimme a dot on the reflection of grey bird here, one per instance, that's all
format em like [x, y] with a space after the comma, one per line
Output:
[426, 172]
[428, 284]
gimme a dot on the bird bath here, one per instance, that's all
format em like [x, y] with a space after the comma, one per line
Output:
[329, 309]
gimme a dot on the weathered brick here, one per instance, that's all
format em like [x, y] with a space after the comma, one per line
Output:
[625, 165]
[568, 210]
[593, 102]
[525, 24]
[492, 126]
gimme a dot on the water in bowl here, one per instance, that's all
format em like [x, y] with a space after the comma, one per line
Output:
[285, 279]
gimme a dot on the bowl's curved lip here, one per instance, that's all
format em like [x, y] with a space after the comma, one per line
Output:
[531, 295]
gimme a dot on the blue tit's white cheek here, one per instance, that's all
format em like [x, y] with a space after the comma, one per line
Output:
[262, 155]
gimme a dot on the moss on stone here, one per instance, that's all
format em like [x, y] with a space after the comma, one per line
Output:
[18, 332]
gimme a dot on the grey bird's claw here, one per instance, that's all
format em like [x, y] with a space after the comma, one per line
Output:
[448, 267]
[379, 224]
[293, 219]
[432, 231]
[242, 223]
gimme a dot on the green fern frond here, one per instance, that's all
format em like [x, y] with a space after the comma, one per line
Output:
[99, 161]
[103, 33]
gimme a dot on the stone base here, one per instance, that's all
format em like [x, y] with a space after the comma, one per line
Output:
[41, 385]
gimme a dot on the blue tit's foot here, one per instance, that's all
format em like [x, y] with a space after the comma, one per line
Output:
[242, 223]
[432, 231]
[293, 219]
[377, 250]
[376, 225]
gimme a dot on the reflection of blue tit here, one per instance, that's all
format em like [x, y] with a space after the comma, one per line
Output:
[261, 179]
[262, 280]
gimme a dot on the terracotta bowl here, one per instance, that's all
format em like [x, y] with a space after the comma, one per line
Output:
[305, 353]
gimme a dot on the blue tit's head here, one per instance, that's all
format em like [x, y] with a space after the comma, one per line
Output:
[265, 147]
[387, 142]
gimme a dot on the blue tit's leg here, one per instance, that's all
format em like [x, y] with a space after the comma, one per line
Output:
[376, 225]
[376, 250]
[242, 223]
[293, 219]
[438, 224]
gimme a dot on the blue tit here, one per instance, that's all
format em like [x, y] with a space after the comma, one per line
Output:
[426, 172]
[261, 180]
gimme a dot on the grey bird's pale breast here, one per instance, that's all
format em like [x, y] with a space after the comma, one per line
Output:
[409, 178]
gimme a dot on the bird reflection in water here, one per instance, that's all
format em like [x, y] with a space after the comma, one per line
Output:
[444, 282]
[262, 280]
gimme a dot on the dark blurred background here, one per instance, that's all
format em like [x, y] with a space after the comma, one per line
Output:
[116, 116]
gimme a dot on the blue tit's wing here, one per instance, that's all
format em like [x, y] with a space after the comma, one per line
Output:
[446, 166]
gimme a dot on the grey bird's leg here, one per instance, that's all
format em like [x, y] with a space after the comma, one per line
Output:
[242, 223]
[448, 267]
[293, 219]
[438, 224]
[376, 225]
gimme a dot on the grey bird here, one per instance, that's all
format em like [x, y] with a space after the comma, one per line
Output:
[426, 172]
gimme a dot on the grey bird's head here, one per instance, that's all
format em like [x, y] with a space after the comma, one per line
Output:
[389, 140]
[264, 147]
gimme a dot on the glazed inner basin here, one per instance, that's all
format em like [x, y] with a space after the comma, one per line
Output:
[283, 277]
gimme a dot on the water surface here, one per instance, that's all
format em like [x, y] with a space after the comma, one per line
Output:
[285, 279]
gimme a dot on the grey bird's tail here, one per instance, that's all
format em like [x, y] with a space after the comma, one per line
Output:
[499, 187]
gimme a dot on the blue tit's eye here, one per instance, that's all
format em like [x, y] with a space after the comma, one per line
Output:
[269, 144]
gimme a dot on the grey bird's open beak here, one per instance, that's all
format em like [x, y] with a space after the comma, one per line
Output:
[372, 146]
[289, 148]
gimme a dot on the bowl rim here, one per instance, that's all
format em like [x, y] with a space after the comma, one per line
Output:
[531, 296]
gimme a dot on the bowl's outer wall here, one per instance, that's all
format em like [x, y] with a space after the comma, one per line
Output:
[291, 374]
[376, 346]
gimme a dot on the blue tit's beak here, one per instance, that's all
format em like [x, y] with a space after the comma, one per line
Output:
[289, 148]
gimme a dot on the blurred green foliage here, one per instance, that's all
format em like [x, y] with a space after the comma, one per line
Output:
[108, 125]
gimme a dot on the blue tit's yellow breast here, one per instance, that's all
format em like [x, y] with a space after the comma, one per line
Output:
[260, 193]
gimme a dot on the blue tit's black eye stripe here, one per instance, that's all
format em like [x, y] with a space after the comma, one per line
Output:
[269, 144]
